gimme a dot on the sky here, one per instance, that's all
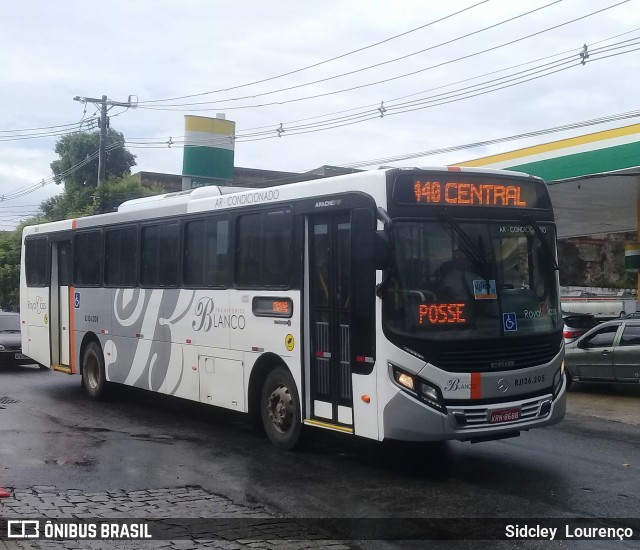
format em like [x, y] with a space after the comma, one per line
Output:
[444, 74]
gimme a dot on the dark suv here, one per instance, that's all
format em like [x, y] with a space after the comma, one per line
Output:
[576, 324]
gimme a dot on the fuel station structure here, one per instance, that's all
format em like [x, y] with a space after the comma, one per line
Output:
[594, 182]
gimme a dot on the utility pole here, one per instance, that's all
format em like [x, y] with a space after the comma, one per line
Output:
[102, 161]
[104, 123]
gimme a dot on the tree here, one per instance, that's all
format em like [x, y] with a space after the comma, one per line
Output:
[10, 269]
[72, 203]
[115, 191]
[74, 149]
[79, 198]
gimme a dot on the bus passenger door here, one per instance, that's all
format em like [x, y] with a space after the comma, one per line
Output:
[59, 323]
[330, 397]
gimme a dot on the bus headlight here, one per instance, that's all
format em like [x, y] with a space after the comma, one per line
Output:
[418, 388]
[405, 379]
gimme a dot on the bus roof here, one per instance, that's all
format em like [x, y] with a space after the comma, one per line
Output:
[212, 198]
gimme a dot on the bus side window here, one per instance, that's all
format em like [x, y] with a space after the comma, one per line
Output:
[87, 256]
[277, 231]
[206, 253]
[37, 261]
[263, 250]
[159, 255]
[121, 254]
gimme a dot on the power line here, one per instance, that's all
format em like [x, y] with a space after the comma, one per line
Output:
[41, 128]
[431, 152]
[341, 56]
[370, 106]
[395, 110]
[390, 109]
[386, 80]
[20, 137]
[46, 181]
[408, 156]
[170, 141]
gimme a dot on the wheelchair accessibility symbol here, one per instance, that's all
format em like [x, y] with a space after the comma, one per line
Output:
[509, 322]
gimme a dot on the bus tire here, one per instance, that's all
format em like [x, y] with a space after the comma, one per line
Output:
[94, 379]
[280, 409]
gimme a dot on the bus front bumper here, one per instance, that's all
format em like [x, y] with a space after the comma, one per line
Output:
[407, 419]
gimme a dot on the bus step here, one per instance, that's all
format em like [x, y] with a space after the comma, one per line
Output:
[62, 368]
[329, 426]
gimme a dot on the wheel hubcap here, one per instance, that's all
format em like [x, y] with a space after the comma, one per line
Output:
[92, 374]
[280, 407]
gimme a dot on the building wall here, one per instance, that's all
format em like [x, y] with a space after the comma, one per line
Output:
[595, 261]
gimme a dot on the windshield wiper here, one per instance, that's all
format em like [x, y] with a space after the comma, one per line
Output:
[545, 245]
[466, 244]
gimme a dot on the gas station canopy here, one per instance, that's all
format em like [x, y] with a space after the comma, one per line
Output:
[593, 179]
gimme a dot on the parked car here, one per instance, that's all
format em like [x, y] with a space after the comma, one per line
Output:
[577, 324]
[10, 340]
[608, 353]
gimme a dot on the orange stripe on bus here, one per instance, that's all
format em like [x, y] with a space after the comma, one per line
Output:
[74, 224]
[476, 385]
[72, 330]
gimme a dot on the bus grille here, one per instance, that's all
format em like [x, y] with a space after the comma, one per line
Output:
[478, 417]
[499, 356]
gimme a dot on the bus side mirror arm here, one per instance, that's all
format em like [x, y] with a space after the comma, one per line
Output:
[384, 217]
[383, 249]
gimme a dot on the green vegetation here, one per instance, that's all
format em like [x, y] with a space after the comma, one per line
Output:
[80, 198]
[74, 149]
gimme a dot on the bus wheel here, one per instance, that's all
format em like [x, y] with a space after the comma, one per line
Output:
[93, 373]
[280, 409]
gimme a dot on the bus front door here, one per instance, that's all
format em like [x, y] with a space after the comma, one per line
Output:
[328, 281]
[59, 323]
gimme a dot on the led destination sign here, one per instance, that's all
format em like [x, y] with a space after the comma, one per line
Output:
[442, 314]
[450, 190]
[478, 194]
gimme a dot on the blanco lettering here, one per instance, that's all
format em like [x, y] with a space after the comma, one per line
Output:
[455, 384]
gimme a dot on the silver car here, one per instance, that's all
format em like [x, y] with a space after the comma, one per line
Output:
[10, 340]
[608, 353]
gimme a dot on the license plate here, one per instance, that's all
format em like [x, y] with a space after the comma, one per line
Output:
[504, 415]
[20, 356]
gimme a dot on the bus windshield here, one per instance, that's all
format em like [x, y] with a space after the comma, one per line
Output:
[467, 280]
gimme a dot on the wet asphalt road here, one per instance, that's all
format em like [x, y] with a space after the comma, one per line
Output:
[52, 434]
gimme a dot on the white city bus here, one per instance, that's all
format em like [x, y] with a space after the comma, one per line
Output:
[410, 304]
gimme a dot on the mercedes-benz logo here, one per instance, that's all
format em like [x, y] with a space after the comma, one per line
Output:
[503, 385]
